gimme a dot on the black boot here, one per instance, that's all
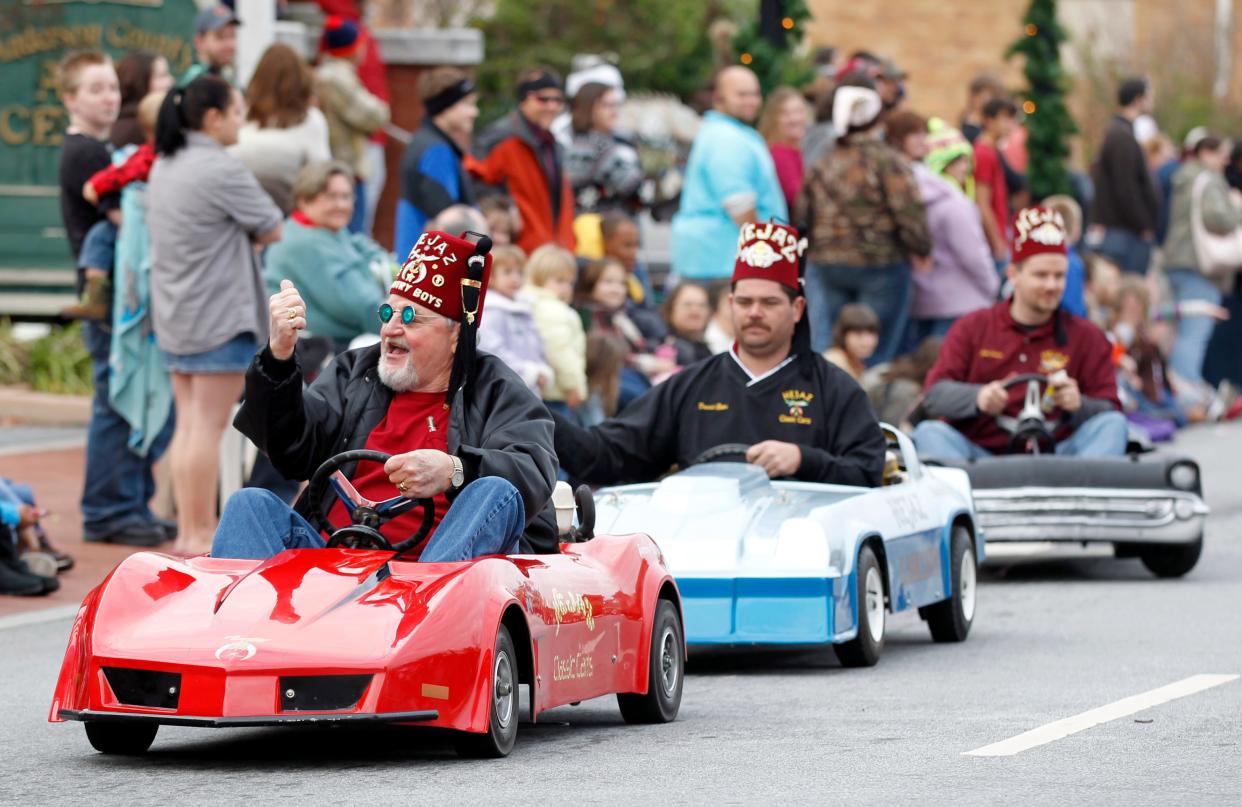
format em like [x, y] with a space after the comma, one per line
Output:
[15, 577]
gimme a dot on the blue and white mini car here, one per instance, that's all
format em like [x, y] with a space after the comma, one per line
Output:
[781, 562]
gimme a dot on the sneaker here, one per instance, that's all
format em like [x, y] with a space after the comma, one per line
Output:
[64, 561]
[40, 563]
[167, 525]
[146, 534]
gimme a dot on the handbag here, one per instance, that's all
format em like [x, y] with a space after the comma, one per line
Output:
[1218, 255]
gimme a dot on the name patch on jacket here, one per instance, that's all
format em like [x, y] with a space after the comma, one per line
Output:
[796, 401]
[719, 406]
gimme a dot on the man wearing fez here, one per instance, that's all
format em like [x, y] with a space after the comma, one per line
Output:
[462, 429]
[802, 417]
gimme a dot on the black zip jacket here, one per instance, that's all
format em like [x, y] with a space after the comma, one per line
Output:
[808, 402]
[504, 432]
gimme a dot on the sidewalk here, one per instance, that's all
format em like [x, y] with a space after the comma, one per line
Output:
[56, 475]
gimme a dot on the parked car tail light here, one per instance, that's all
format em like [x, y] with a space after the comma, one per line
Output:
[1184, 476]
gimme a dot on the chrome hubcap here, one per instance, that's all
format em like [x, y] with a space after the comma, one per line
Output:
[966, 584]
[670, 661]
[874, 588]
[502, 689]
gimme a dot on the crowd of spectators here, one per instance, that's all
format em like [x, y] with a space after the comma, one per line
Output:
[183, 220]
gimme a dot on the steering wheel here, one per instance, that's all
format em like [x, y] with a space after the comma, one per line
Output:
[736, 451]
[367, 516]
[1031, 431]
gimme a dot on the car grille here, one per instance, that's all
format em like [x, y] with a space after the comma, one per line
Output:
[321, 693]
[152, 688]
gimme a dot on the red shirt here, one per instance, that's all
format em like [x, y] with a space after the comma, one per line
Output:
[988, 171]
[135, 169]
[988, 345]
[414, 420]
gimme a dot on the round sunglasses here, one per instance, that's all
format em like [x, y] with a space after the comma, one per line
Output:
[408, 314]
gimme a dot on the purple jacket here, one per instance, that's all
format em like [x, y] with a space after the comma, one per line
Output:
[963, 277]
[508, 331]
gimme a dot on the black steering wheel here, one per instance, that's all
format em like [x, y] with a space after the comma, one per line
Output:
[367, 516]
[1031, 431]
[736, 452]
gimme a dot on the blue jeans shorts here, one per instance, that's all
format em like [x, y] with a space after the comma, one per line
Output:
[234, 356]
[99, 247]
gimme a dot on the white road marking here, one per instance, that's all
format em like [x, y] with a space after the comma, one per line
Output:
[1061, 729]
[39, 617]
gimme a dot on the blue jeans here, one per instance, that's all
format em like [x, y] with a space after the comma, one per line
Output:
[919, 329]
[1193, 333]
[1126, 249]
[487, 518]
[358, 222]
[118, 482]
[885, 288]
[1102, 435]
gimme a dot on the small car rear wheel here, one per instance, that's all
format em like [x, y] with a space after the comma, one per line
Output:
[864, 650]
[1171, 560]
[125, 739]
[666, 666]
[949, 620]
[502, 722]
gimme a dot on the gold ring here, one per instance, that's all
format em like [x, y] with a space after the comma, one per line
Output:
[293, 313]
[401, 487]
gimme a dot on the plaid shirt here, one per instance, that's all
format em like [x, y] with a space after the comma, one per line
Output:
[860, 206]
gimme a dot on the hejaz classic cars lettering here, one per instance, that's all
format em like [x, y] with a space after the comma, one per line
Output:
[572, 668]
[563, 604]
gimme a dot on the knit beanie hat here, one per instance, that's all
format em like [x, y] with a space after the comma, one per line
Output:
[340, 37]
[944, 145]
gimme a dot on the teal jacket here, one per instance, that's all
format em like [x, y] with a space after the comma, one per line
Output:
[342, 277]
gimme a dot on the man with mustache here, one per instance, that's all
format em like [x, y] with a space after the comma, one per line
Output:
[462, 428]
[1027, 333]
[801, 417]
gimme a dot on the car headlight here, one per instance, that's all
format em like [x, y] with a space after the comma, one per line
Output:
[1184, 508]
[1184, 476]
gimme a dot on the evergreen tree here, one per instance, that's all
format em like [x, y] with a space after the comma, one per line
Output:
[769, 44]
[1048, 122]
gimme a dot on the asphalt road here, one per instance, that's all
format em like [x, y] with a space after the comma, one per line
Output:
[1051, 640]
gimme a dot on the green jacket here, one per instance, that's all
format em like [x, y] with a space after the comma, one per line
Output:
[1219, 215]
[341, 276]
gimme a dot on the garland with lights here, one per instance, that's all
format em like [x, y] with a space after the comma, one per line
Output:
[769, 44]
[1048, 121]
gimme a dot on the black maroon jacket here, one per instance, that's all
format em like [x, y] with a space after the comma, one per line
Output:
[505, 431]
[808, 402]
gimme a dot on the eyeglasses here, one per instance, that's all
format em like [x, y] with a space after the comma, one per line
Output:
[408, 314]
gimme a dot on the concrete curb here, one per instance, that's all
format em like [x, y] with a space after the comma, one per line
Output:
[44, 409]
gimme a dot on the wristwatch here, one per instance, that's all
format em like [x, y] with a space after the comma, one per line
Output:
[459, 473]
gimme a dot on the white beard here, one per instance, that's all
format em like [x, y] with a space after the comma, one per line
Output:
[402, 379]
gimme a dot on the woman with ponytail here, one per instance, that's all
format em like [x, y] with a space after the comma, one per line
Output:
[207, 216]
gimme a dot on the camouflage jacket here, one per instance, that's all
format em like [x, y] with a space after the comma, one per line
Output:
[860, 206]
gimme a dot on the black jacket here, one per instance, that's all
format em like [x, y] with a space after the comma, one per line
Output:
[1125, 195]
[505, 432]
[808, 402]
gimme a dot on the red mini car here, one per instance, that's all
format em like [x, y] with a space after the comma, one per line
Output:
[352, 633]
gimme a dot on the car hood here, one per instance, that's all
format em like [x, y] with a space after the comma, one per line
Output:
[294, 609]
[729, 518]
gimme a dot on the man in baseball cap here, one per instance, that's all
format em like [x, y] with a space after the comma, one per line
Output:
[215, 43]
[461, 428]
[1027, 333]
[801, 417]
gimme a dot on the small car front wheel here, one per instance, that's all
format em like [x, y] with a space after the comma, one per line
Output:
[864, 650]
[949, 620]
[502, 722]
[1171, 560]
[666, 665]
[124, 739]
